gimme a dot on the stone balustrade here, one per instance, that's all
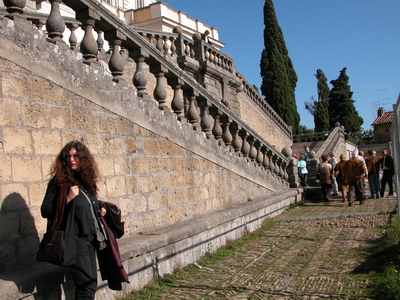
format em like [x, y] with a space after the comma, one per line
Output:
[191, 102]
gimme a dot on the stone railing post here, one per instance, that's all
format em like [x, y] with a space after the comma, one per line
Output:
[139, 79]
[192, 113]
[73, 40]
[116, 62]
[245, 149]
[177, 103]
[55, 25]
[88, 46]
[205, 121]
[217, 129]
[160, 91]
[237, 140]
[227, 135]
[15, 8]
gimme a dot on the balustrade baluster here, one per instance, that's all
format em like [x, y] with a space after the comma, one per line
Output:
[116, 63]
[187, 49]
[237, 140]
[15, 8]
[253, 150]
[192, 53]
[275, 158]
[73, 40]
[166, 46]
[245, 149]
[139, 79]
[55, 25]
[88, 46]
[217, 129]
[271, 161]
[227, 135]
[173, 47]
[160, 43]
[160, 92]
[177, 103]
[205, 121]
[284, 170]
[259, 156]
[193, 114]
[206, 54]
[100, 41]
[265, 162]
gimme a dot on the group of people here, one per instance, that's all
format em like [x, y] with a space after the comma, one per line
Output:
[350, 177]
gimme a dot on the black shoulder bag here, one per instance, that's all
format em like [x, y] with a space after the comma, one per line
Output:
[58, 245]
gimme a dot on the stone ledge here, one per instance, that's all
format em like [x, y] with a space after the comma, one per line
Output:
[158, 252]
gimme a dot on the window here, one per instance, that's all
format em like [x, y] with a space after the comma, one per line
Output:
[139, 3]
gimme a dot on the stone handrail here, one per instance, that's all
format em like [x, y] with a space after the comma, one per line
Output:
[310, 137]
[164, 42]
[332, 141]
[263, 104]
[198, 107]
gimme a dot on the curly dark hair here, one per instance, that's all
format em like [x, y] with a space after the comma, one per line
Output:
[87, 175]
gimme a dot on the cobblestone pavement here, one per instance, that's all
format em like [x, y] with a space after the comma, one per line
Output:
[313, 253]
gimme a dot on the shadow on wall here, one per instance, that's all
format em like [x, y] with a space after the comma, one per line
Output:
[19, 242]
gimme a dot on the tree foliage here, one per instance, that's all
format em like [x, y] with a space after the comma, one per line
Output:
[319, 109]
[279, 78]
[341, 105]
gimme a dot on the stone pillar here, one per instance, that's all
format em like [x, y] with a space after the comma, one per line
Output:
[292, 171]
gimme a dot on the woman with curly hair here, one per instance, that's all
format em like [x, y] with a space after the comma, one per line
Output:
[76, 169]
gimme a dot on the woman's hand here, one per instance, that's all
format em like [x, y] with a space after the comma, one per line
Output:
[73, 192]
[102, 212]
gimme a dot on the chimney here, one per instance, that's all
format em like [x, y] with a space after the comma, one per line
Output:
[381, 111]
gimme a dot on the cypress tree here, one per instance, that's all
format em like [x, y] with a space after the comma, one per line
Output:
[279, 78]
[321, 118]
[341, 105]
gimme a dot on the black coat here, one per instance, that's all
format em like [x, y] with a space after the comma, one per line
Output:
[111, 268]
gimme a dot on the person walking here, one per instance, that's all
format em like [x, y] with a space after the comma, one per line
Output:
[302, 170]
[387, 167]
[332, 160]
[354, 172]
[373, 163]
[343, 186]
[324, 171]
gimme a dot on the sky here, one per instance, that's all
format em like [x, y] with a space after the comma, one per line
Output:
[361, 35]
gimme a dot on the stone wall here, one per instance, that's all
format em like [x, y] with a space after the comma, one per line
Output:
[159, 171]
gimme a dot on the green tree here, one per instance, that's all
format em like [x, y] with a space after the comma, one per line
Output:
[279, 78]
[319, 109]
[321, 118]
[341, 105]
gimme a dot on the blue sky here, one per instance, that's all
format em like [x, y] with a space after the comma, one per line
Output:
[361, 35]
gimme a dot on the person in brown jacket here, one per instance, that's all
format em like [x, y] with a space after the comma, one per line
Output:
[354, 173]
[343, 187]
[373, 165]
[324, 170]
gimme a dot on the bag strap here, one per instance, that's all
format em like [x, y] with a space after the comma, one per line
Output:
[99, 234]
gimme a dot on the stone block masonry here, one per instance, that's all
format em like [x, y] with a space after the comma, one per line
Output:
[161, 173]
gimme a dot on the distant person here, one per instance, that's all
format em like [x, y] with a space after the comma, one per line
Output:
[343, 186]
[354, 171]
[205, 36]
[324, 170]
[305, 153]
[373, 164]
[332, 160]
[387, 167]
[302, 167]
